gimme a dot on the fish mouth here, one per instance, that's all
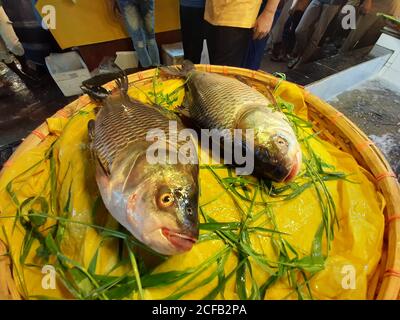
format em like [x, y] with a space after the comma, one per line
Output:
[181, 241]
[295, 168]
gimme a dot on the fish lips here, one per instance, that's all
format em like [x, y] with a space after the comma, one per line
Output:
[279, 171]
[295, 168]
[181, 241]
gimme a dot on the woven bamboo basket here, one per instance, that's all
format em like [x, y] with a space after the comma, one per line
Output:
[335, 128]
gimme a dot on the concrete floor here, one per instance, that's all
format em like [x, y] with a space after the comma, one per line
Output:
[375, 107]
[26, 109]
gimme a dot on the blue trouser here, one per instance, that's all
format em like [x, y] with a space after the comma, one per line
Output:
[255, 52]
[139, 21]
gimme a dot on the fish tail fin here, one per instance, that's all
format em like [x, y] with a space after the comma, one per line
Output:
[182, 71]
[93, 86]
[97, 93]
[122, 80]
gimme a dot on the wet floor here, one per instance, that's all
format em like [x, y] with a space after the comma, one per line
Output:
[375, 107]
[25, 109]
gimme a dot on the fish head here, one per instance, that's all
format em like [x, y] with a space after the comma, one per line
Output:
[277, 152]
[162, 206]
[278, 155]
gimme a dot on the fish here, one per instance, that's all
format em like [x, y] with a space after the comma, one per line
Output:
[215, 101]
[156, 202]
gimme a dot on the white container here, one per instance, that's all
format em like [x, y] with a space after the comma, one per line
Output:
[205, 59]
[126, 59]
[68, 71]
[172, 53]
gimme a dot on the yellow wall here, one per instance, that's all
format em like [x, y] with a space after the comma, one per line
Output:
[90, 21]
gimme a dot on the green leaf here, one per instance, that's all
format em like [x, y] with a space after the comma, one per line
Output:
[241, 279]
[51, 245]
[219, 226]
[93, 262]
[164, 278]
[135, 271]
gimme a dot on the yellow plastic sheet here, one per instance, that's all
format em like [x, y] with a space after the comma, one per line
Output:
[355, 250]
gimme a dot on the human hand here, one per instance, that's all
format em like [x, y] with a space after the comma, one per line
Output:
[263, 25]
[18, 49]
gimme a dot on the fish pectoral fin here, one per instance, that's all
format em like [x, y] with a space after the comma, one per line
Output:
[271, 98]
[104, 170]
[91, 128]
[96, 110]
[184, 107]
[243, 80]
[132, 157]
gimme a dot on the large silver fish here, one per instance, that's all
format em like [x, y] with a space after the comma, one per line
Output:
[157, 203]
[218, 102]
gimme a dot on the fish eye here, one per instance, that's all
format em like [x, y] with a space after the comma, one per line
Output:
[166, 200]
[281, 141]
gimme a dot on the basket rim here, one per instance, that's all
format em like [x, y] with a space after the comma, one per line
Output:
[386, 180]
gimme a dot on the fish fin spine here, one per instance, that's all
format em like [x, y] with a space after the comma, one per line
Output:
[179, 71]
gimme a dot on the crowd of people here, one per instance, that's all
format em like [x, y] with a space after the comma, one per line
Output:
[239, 32]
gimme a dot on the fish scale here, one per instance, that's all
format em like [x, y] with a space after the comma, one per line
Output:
[123, 123]
[230, 95]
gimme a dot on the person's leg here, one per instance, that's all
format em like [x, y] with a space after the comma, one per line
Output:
[230, 45]
[147, 12]
[135, 26]
[290, 34]
[209, 31]
[255, 54]
[364, 22]
[192, 29]
[372, 34]
[277, 29]
[302, 31]
[256, 48]
[328, 13]
[287, 38]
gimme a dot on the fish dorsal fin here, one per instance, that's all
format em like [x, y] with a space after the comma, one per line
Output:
[267, 92]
